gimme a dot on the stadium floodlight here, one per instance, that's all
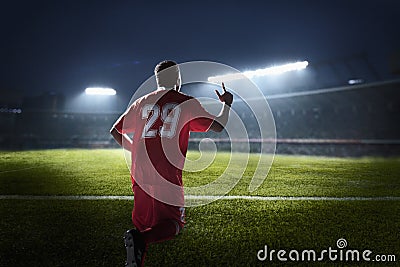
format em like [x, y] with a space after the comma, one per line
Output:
[100, 91]
[260, 72]
[355, 81]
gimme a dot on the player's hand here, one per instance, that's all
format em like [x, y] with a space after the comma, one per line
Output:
[226, 97]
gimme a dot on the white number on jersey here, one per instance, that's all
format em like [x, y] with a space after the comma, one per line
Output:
[169, 116]
[150, 112]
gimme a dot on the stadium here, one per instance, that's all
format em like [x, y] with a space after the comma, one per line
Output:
[354, 120]
[329, 194]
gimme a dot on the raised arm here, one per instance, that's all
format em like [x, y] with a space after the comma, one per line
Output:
[221, 120]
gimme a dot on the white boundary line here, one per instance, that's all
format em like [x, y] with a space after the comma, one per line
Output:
[262, 198]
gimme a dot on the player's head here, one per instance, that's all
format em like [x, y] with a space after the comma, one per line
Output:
[168, 75]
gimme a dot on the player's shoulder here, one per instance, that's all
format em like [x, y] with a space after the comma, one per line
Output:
[149, 97]
[172, 96]
[180, 95]
[162, 96]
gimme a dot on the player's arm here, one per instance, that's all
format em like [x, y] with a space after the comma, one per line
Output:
[116, 132]
[221, 120]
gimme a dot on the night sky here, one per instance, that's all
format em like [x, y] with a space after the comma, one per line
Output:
[66, 46]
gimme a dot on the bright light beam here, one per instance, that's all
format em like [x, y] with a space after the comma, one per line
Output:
[100, 91]
[275, 70]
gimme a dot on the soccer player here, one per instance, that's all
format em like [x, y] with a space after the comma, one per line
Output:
[160, 123]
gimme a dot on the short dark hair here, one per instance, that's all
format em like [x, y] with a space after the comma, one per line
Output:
[164, 65]
[168, 74]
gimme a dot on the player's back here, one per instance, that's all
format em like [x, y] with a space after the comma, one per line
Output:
[161, 122]
[161, 133]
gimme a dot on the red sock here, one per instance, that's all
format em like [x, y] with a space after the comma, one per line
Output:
[160, 232]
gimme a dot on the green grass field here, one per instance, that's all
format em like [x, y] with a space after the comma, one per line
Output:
[60, 232]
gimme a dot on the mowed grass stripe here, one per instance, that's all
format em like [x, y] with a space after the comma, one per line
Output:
[224, 233]
[260, 198]
[103, 172]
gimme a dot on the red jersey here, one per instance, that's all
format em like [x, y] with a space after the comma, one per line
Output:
[161, 122]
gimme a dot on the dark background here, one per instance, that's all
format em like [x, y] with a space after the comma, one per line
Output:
[66, 46]
[52, 50]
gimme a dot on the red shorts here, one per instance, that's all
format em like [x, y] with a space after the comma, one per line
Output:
[148, 212]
